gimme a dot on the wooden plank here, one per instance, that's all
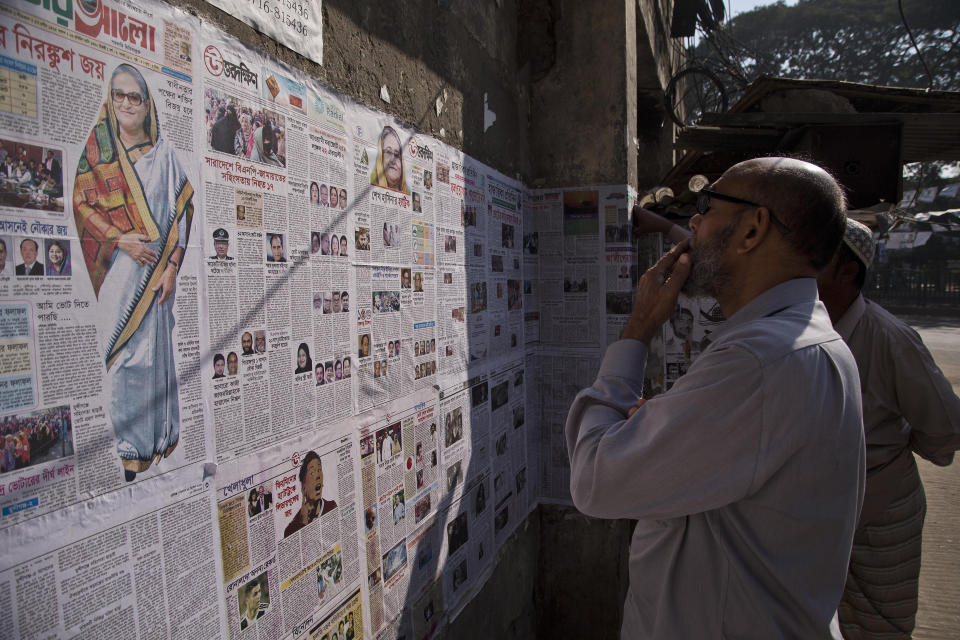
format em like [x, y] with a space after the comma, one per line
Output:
[728, 139]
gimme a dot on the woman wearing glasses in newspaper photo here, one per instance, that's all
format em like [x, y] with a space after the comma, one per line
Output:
[388, 171]
[128, 172]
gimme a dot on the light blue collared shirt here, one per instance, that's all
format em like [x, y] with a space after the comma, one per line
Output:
[747, 476]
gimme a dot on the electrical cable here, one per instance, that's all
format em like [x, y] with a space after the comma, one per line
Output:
[903, 18]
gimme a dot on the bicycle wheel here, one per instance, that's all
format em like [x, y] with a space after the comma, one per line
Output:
[692, 93]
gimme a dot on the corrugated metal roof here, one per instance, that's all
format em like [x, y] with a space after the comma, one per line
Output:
[866, 98]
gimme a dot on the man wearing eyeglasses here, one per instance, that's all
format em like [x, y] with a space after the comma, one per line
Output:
[746, 477]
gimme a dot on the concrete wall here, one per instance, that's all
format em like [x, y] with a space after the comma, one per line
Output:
[580, 107]
[576, 91]
[582, 574]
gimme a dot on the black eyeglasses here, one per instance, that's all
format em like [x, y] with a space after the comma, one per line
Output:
[703, 205]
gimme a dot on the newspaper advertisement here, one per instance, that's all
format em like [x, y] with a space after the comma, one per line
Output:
[297, 24]
[139, 563]
[100, 272]
[402, 489]
[288, 520]
[278, 276]
[395, 261]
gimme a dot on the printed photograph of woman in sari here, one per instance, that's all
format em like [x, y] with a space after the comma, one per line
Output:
[133, 209]
[388, 171]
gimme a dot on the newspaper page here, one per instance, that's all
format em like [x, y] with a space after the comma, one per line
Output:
[139, 563]
[100, 261]
[466, 462]
[580, 272]
[465, 442]
[532, 424]
[477, 221]
[459, 192]
[402, 490]
[545, 213]
[503, 317]
[531, 266]
[582, 293]
[297, 24]
[509, 447]
[562, 374]
[395, 263]
[468, 546]
[620, 256]
[278, 274]
[289, 539]
[428, 509]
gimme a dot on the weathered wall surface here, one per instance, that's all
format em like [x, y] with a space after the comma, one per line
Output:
[583, 574]
[579, 107]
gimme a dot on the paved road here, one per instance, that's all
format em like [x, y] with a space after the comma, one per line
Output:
[939, 615]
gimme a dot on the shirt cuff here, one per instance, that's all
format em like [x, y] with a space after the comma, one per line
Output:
[625, 359]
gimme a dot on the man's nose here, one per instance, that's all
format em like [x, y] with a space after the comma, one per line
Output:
[695, 222]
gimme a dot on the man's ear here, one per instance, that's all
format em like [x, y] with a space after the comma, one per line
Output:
[847, 271]
[752, 228]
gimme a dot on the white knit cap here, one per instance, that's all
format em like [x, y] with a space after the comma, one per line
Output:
[859, 239]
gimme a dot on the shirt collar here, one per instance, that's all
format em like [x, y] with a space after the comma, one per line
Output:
[785, 294]
[848, 322]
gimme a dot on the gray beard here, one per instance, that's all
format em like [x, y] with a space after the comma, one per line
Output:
[709, 275]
